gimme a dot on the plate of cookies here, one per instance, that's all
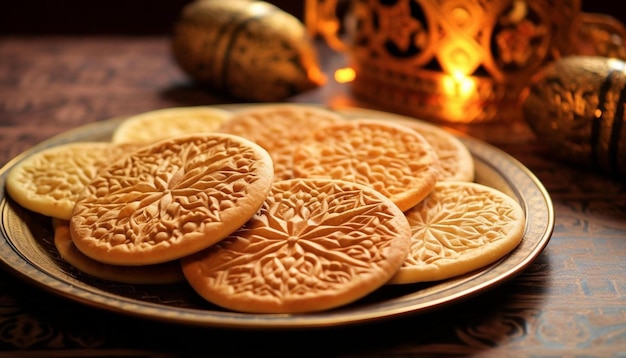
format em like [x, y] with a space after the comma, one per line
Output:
[269, 216]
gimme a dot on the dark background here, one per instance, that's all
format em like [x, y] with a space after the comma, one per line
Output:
[135, 17]
[145, 17]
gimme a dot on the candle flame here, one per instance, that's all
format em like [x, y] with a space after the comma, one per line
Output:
[459, 91]
[459, 85]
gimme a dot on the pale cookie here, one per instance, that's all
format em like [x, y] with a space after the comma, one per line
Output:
[458, 228]
[278, 128]
[50, 181]
[171, 199]
[393, 159]
[455, 159]
[314, 245]
[159, 124]
[159, 274]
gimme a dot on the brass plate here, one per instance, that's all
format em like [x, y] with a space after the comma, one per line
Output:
[27, 250]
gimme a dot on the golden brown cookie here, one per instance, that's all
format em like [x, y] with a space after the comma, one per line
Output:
[315, 244]
[50, 181]
[278, 128]
[171, 199]
[391, 158]
[455, 159]
[148, 127]
[159, 274]
[458, 228]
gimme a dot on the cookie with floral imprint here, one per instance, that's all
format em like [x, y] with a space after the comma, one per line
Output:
[279, 128]
[391, 158]
[314, 245]
[170, 199]
[460, 227]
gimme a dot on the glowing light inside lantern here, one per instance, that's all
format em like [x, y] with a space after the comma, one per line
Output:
[459, 85]
[460, 92]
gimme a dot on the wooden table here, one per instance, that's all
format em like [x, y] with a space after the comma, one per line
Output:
[570, 302]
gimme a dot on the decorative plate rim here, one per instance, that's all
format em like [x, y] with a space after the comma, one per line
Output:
[518, 180]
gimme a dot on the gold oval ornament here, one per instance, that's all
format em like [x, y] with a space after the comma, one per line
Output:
[577, 107]
[247, 49]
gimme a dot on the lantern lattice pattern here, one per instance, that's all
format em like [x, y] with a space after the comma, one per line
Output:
[451, 60]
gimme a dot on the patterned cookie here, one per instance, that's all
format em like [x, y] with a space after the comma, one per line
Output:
[159, 274]
[314, 245]
[171, 199]
[278, 128]
[159, 124]
[393, 159]
[50, 181]
[455, 159]
[458, 228]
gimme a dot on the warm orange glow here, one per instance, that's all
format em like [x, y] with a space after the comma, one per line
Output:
[460, 92]
[345, 75]
[459, 85]
[597, 113]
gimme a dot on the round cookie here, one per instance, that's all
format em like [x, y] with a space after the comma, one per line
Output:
[279, 128]
[171, 198]
[393, 159]
[159, 124]
[50, 181]
[455, 159]
[315, 244]
[159, 274]
[458, 228]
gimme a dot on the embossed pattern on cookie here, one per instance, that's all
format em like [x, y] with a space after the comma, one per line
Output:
[314, 244]
[395, 160]
[455, 160]
[50, 181]
[171, 199]
[458, 228]
[279, 128]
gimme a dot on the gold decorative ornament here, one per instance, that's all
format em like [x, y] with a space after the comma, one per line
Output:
[577, 106]
[250, 50]
[452, 60]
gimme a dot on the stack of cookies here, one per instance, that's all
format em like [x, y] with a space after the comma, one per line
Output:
[269, 209]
